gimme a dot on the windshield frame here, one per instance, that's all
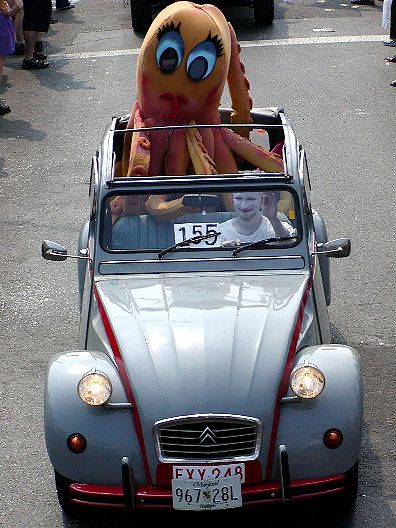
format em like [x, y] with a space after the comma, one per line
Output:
[195, 186]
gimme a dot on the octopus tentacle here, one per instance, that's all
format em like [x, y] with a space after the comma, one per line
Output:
[258, 156]
[160, 140]
[202, 162]
[117, 208]
[163, 210]
[127, 205]
[239, 87]
[178, 156]
[225, 164]
[139, 156]
[208, 140]
[224, 158]
[127, 141]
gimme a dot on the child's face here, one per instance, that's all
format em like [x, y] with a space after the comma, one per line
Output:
[247, 204]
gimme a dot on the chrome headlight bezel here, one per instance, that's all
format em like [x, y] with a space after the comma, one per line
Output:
[307, 381]
[94, 388]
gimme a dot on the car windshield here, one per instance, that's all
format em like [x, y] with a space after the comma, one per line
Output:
[199, 220]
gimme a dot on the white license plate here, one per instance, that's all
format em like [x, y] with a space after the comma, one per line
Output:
[188, 230]
[213, 494]
[210, 472]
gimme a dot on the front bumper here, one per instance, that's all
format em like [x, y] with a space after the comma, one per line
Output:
[152, 497]
[130, 496]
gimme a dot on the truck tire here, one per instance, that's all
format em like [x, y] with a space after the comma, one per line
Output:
[141, 15]
[264, 12]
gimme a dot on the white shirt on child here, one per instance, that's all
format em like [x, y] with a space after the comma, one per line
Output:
[228, 232]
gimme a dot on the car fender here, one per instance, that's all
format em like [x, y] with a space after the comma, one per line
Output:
[109, 433]
[324, 261]
[82, 263]
[339, 406]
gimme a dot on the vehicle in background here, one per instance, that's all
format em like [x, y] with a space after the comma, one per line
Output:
[142, 11]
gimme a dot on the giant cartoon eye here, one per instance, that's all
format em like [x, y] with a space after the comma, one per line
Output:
[201, 60]
[169, 52]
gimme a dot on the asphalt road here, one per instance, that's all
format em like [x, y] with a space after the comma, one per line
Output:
[334, 86]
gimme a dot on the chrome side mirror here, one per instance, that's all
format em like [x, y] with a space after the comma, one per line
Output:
[341, 247]
[54, 251]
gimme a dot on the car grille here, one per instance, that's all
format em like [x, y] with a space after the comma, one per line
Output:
[208, 438]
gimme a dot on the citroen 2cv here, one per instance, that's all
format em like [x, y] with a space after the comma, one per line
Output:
[206, 377]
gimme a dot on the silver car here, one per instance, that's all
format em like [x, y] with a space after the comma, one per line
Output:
[206, 377]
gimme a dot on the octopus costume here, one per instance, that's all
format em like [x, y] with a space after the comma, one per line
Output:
[188, 54]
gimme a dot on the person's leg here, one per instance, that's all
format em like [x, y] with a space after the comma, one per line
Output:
[39, 46]
[30, 41]
[37, 14]
[4, 108]
[20, 39]
[46, 17]
[392, 30]
[18, 26]
[392, 35]
[33, 60]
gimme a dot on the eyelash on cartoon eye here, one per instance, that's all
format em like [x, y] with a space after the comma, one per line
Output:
[217, 42]
[170, 26]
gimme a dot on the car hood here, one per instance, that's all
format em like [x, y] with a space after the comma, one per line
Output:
[203, 344]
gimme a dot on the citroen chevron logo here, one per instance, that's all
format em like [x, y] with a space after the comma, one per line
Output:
[207, 437]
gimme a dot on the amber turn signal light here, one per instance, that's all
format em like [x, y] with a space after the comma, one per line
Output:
[76, 443]
[332, 438]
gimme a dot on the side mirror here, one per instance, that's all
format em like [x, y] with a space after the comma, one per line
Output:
[338, 248]
[53, 251]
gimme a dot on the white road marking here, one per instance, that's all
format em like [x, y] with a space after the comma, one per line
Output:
[313, 40]
[244, 44]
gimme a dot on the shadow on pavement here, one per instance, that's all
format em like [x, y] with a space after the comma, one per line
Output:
[61, 81]
[20, 129]
[55, 77]
[5, 85]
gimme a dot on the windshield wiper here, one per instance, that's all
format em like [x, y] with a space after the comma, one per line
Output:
[266, 242]
[183, 243]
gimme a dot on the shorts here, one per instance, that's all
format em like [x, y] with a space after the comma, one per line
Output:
[7, 36]
[37, 15]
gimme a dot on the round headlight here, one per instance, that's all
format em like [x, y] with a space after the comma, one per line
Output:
[94, 388]
[307, 381]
